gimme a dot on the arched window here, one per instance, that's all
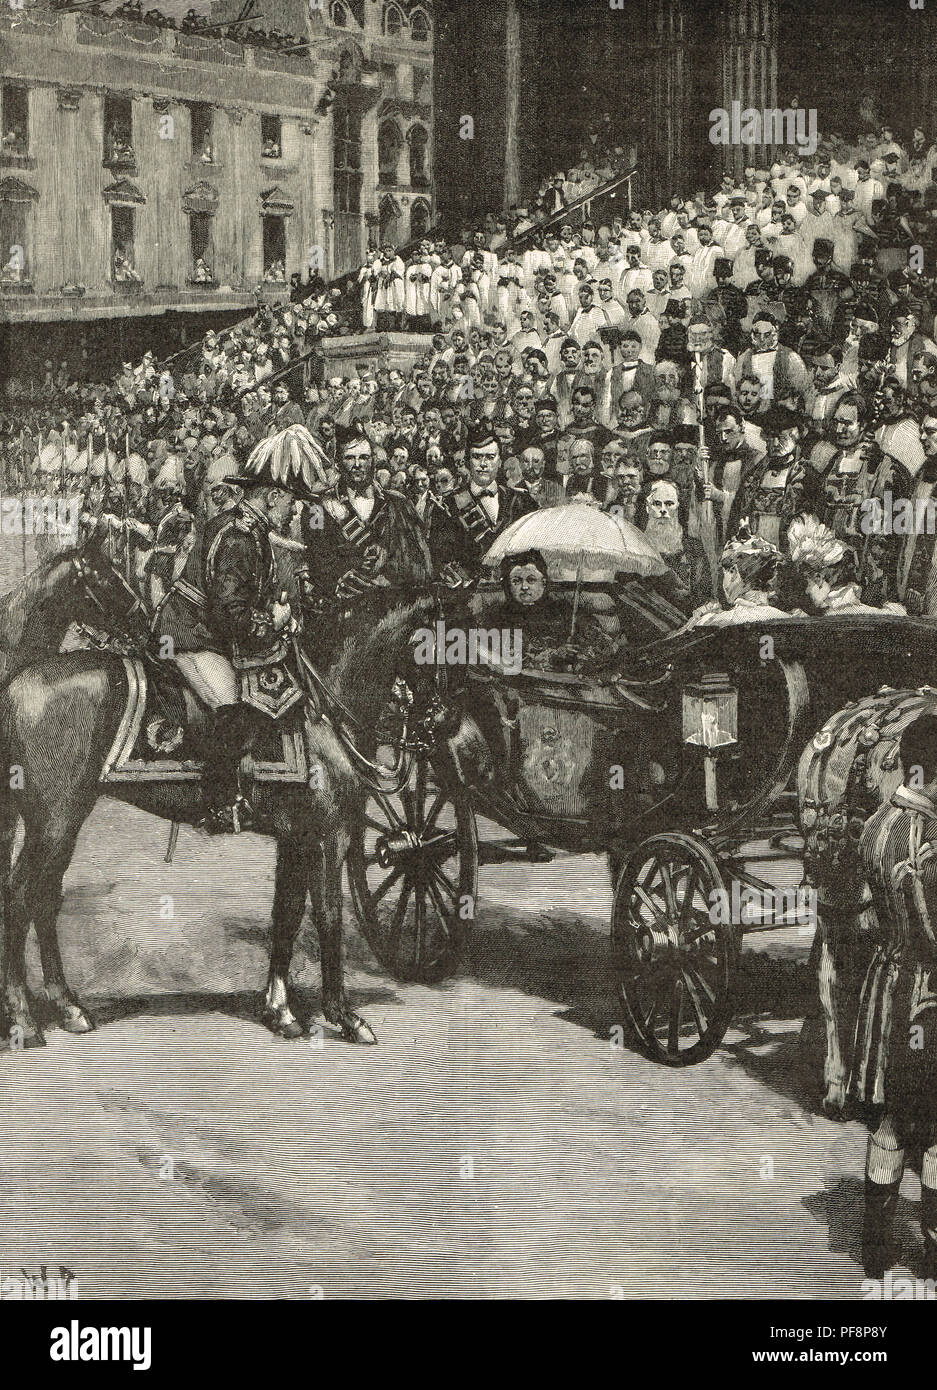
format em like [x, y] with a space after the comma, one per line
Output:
[419, 220]
[419, 27]
[393, 22]
[339, 16]
[417, 139]
[389, 141]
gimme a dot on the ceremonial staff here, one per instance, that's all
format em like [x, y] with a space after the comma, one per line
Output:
[127, 565]
[707, 520]
[23, 485]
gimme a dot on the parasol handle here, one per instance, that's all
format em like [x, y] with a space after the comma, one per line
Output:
[579, 570]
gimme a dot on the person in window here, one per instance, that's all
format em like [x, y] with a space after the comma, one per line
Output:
[124, 272]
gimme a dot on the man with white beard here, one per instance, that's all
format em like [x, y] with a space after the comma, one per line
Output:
[683, 554]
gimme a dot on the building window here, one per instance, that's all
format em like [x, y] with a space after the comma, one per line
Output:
[203, 119]
[274, 248]
[16, 201]
[419, 220]
[340, 16]
[270, 137]
[389, 141]
[417, 139]
[422, 86]
[347, 159]
[14, 120]
[123, 229]
[389, 79]
[201, 249]
[419, 27]
[393, 22]
[118, 130]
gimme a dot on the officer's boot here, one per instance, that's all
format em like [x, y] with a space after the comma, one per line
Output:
[225, 808]
[881, 1204]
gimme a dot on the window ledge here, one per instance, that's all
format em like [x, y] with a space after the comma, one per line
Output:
[120, 166]
[10, 160]
[16, 287]
[200, 284]
[127, 286]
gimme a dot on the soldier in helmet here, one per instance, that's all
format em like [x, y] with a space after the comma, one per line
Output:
[227, 620]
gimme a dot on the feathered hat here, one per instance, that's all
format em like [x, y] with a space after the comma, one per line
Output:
[291, 459]
[813, 545]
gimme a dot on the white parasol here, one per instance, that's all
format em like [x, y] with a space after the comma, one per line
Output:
[579, 542]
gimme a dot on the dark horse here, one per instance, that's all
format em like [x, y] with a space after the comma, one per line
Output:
[58, 719]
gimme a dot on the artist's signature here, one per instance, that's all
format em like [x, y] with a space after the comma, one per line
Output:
[43, 1285]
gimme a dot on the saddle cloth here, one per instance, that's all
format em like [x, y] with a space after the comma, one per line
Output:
[164, 727]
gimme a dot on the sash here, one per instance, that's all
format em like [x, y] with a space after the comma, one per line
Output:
[473, 517]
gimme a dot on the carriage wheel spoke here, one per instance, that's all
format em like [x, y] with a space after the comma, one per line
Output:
[648, 872]
[419, 898]
[445, 881]
[686, 906]
[399, 913]
[676, 1014]
[653, 907]
[376, 825]
[388, 883]
[695, 1003]
[438, 905]
[699, 980]
[668, 893]
[386, 806]
[434, 811]
[446, 846]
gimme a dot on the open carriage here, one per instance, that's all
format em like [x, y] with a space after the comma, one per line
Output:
[678, 767]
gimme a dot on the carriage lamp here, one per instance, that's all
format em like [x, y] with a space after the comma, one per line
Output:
[711, 722]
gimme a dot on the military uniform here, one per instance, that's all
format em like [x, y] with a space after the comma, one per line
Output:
[221, 605]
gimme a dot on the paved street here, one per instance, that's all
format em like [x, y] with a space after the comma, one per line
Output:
[493, 1145]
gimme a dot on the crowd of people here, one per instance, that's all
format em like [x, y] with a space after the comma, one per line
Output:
[711, 373]
[192, 22]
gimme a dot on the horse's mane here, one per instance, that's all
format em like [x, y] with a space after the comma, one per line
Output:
[21, 602]
[364, 670]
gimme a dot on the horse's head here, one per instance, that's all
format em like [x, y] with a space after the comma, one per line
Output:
[104, 597]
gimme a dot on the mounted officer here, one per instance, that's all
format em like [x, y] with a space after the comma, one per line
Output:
[227, 618]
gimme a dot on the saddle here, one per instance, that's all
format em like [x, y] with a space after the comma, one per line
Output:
[165, 727]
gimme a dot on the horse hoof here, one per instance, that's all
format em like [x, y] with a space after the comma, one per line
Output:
[18, 1039]
[73, 1019]
[357, 1031]
[282, 1023]
[834, 1106]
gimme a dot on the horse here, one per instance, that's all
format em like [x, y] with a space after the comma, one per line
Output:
[58, 719]
[845, 773]
[76, 584]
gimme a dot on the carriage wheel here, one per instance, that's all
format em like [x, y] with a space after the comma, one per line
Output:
[413, 875]
[675, 966]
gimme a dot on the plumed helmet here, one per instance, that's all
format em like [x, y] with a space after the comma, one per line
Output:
[292, 459]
